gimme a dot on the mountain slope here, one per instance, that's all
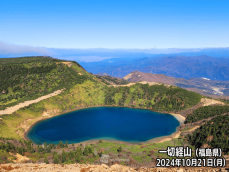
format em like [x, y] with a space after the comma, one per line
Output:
[137, 76]
[28, 78]
[203, 86]
[111, 80]
[174, 66]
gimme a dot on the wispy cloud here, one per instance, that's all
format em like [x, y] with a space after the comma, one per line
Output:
[12, 49]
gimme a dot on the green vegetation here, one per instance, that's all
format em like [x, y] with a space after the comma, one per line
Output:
[5, 157]
[225, 100]
[215, 133]
[26, 148]
[119, 149]
[156, 97]
[109, 79]
[79, 154]
[29, 78]
[206, 112]
[24, 60]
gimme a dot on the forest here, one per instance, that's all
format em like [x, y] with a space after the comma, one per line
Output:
[156, 97]
[24, 60]
[48, 152]
[206, 112]
[213, 134]
[108, 80]
[31, 77]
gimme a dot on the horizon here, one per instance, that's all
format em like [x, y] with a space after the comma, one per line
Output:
[100, 54]
[86, 31]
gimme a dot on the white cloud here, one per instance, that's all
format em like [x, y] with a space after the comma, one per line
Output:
[6, 48]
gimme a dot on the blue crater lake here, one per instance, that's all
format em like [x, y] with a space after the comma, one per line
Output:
[124, 124]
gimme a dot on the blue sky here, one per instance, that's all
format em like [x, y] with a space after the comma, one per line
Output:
[115, 23]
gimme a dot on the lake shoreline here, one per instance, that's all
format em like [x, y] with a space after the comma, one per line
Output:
[176, 134]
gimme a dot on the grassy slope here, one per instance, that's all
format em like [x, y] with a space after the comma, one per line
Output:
[6, 157]
[137, 150]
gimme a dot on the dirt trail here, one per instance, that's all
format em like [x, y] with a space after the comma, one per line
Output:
[194, 128]
[13, 109]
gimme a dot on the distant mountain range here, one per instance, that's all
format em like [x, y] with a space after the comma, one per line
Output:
[98, 54]
[203, 86]
[174, 66]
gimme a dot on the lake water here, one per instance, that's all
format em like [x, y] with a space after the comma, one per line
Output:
[125, 124]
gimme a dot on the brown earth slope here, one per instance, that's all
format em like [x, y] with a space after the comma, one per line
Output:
[149, 77]
[204, 86]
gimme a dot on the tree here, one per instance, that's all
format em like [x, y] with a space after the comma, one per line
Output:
[46, 160]
[119, 149]
[40, 149]
[100, 154]
[48, 150]
[64, 156]
[89, 149]
[60, 144]
[86, 151]
[68, 161]
[45, 145]
[66, 145]
[56, 159]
